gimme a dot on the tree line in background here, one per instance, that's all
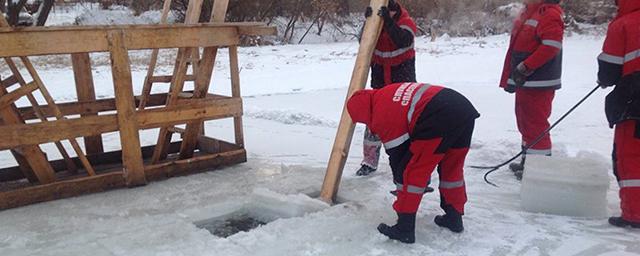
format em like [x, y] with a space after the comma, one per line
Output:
[455, 17]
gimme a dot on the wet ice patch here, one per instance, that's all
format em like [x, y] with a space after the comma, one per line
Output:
[570, 186]
[262, 207]
[290, 117]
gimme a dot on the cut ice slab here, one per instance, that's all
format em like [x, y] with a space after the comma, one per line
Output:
[262, 207]
[569, 186]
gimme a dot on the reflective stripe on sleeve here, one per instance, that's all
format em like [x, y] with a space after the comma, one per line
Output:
[611, 59]
[393, 54]
[450, 185]
[405, 27]
[629, 183]
[631, 56]
[416, 99]
[533, 23]
[546, 83]
[556, 44]
[397, 141]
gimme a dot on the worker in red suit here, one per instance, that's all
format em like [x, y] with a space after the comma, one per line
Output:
[421, 126]
[532, 70]
[393, 62]
[620, 67]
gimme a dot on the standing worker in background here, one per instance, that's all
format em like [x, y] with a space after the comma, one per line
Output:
[422, 126]
[620, 66]
[533, 71]
[393, 62]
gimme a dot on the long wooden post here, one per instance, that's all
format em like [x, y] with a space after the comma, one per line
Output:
[85, 88]
[341, 146]
[125, 104]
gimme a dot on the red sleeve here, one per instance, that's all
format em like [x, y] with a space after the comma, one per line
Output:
[551, 33]
[407, 23]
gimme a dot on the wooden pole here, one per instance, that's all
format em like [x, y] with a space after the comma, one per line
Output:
[85, 88]
[235, 92]
[341, 146]
[125, 104]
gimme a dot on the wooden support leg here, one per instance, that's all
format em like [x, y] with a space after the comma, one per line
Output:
[86, 92]
[235, 92]
[125, 104]
[341, 146]
[24, 166]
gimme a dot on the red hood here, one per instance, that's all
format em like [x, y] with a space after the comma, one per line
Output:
[360, 106]
[628, 6]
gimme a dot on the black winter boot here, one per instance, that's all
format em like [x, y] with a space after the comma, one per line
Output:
[518, 168]
[365, 170]
[622, 223]
[404, 231]
[451, 220]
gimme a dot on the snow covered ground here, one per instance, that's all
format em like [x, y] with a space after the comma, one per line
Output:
[293, 98]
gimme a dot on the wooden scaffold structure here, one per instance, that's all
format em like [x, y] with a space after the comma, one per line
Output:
[23, 130]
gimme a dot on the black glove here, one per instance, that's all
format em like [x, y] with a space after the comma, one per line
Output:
[510, 88]
[386, 15]
[603, 86]
[520, 75]
[368, 12]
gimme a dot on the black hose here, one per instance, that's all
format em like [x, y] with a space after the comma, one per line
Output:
[493, 169]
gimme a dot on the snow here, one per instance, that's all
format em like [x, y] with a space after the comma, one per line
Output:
[571, 186]
[294, 96]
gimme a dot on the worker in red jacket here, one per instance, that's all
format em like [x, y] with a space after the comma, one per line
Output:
[393, 62]
[620, 66]
[421, 126]
[533, 69]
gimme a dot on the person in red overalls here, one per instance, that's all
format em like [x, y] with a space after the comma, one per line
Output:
[620, 66]
[393, 62]
[532, 70]
[421, 126]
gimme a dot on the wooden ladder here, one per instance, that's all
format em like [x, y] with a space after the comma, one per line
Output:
[203, 70]
[33, 155]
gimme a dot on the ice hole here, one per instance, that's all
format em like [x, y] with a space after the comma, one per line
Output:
[262, 207]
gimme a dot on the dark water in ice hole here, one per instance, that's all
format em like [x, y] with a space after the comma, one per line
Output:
[230, 226]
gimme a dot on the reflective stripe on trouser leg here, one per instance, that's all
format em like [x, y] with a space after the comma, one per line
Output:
[533, 109]
[417, 174]
[627, 150]
[371, 149]
[452, 185]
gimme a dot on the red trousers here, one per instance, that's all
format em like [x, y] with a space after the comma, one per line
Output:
[533, 109]
[626, 157]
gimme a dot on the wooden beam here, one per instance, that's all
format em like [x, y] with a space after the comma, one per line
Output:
[341, 146]
[85, 89]
[167, 79]
[8, 99]
[219, 10]
[235, 92]
[12, 136]
[195, 165]
[10, 81]
[32, 42]
[127, 118]
[58, 190]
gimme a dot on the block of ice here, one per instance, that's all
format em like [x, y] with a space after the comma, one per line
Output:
[570, 186]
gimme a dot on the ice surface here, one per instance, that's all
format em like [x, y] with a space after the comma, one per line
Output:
[571, 186]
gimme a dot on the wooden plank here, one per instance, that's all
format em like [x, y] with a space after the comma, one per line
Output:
[8, 99]
[258, 31]
[59, 190]
[167, 79]
[342, 143]
[202, 83]
[45, 42]
[125, 104]
[81, 63]
[24, 171]
[148, 81]
[49, 99]
[235, 92]
[10, 81]
[32, 153]
[35, 106]
[12, 136]
[195, 165]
